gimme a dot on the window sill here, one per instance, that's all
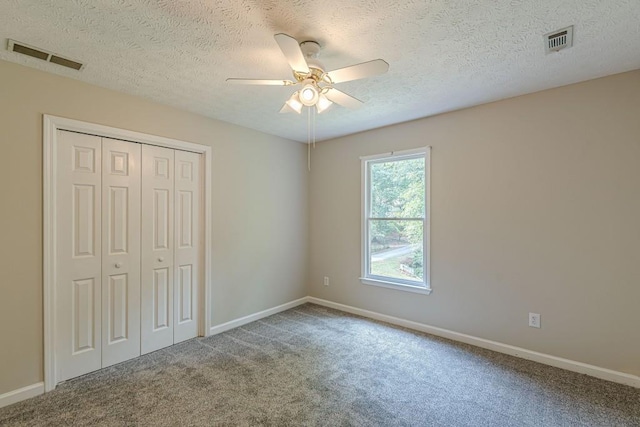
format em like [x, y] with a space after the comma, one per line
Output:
[394, 285]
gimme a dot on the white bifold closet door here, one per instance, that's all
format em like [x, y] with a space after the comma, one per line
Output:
[120, 251]
[157, 247]
[187, 238]
[170, 246]
[78, 255]
[128, 266]
[98, 232]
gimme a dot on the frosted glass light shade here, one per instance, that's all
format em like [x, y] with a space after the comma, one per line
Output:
[294, 103]
[308, 95]
[323, 103]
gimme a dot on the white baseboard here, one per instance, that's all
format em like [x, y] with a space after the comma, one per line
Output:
[558, 362]
[23, 393]
[223, 327]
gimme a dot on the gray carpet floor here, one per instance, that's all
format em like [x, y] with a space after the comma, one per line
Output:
[316, 366]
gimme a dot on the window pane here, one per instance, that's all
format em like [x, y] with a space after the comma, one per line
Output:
[396, 249]
[397, 189]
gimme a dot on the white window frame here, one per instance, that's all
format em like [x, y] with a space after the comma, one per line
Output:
[389, 282]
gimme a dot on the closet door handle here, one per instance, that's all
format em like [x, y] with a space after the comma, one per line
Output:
[160, 259]
[118, 264]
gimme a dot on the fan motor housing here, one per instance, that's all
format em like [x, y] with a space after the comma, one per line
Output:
[311, 51]
[310, 48]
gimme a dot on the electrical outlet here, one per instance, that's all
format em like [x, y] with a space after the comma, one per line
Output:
[534, 320]
[326, 281]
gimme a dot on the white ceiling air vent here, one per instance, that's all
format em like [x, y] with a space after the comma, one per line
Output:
[35, 52]
[558, 40]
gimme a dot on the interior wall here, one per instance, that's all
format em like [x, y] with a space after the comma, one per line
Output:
[535, 208]
[259, 196]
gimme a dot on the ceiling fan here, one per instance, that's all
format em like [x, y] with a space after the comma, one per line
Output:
[317, 84]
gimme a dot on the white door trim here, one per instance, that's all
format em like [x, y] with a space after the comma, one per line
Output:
[51, 124]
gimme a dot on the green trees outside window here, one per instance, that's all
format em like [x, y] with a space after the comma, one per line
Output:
[396, 218]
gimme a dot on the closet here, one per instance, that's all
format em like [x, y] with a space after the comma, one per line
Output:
[128, 263]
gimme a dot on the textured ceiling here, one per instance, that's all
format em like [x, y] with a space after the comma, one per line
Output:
[443, 54]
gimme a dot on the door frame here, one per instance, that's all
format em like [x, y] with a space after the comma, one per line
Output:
[52, 124]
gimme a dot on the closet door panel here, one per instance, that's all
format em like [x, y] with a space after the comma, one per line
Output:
[121, 176]
[187, 244]
[157, 248]
[78, 255]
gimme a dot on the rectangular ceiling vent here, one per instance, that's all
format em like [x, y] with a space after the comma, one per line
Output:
[558, 40]
[35, 52]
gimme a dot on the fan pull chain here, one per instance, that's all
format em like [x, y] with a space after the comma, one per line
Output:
[309, 139]
[311, 134]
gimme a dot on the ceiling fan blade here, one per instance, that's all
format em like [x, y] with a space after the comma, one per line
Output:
[359, 71]
[261, 82]
[341, 98]
[291, 50]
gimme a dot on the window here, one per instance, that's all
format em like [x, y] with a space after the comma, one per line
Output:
[395, 223]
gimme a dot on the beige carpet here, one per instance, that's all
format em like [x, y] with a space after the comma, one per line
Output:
[316, 366]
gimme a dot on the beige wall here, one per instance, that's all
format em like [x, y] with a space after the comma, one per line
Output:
[535, 207]
[260, 201]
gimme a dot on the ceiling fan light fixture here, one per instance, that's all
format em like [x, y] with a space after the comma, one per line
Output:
[310, 74]
[323, 103]
[294, 104]
[317, 84]
[286, 109]
[309, 94]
